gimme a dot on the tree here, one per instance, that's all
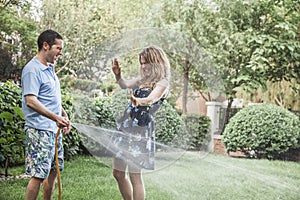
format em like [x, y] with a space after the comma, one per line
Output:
[191, 58]
[262, 43]
[244, 39]
[87, 26]
[17, 37]
[278, 39]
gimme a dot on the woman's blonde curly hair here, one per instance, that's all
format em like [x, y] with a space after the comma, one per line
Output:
[160, 65]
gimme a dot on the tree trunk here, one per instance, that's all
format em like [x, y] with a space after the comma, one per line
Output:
[6, 167]
[226, 118]
[185, 85]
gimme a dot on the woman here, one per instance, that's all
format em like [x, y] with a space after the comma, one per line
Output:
[137, 145]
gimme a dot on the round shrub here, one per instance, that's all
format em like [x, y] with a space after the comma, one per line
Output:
[262, 131]
[170, 128]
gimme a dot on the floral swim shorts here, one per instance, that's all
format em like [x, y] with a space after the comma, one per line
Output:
[40, 152]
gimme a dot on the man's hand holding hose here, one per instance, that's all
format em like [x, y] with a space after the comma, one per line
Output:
[63, 122]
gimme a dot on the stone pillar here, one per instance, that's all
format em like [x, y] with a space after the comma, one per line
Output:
[213, 113]
[213, 109]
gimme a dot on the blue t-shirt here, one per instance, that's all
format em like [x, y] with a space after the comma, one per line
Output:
[41, 81]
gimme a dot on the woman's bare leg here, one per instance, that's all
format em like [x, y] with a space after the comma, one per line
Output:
[119, 172]
[137, 184]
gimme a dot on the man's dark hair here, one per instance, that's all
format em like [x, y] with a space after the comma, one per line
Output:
[48, 36]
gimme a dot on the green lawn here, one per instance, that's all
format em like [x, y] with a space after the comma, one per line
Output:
[214, 177]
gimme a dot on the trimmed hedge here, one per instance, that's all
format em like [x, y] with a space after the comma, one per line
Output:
[263, 131]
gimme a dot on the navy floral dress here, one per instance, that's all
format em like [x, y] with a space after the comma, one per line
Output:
[137, 143]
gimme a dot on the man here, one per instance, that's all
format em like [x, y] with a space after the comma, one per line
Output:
[44, 114]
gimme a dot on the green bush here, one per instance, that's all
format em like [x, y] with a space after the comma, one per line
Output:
[170, 128]
[198, 127]
[12, 124]
[84, 110]
[119, 101]
[104, 113]
[72, 141]
[93, 111]
[262, 131]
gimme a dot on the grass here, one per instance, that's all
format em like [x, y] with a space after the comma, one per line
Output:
[214, 177]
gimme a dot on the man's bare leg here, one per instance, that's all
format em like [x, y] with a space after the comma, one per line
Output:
[33, 188]
[49, 185]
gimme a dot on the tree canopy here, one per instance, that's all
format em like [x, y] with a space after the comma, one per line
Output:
[17, 37]
[247, 42]
[250, 41]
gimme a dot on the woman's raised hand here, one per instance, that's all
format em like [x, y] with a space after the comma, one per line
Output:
[116, 67]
